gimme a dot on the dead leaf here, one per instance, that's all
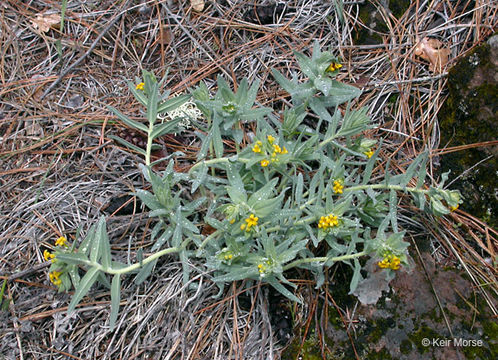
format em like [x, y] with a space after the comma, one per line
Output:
[432, 50]
[45, 22]
[197, 5]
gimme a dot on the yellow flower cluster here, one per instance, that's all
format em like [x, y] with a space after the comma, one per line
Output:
[251, 221]
[47, 255]
[369, 153]
[54, 277]
[257, 147]
[140, 86]
[333, 67]
[228, 256]
[338, 186]
[62, 241]
[390, 261]
[261, 269]
[328, 221]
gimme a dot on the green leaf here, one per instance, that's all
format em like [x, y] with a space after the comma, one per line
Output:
[148, 199]
[217, 141]
[324, 84]
[283, 290]
[139, 94]
[236, 195]
[341, 93]
[205, 146]
[96, 247]
[115, 300]
[85, 284]
[299, 188]
[241, 94]
[237, 274]
[128, 144]
[356, 276]
[75, 276]
[263, 193]
[173, 103]
[199, 177]
[152, 104]
[410, 172]
[266, 207]
[254, 114]
[317, 106]
[306, 65]
[169, 126]
[85, 244]
[131, 123]
[73, 258]
[104, 243]
[251, 95]
[285, 83]
[144, 272]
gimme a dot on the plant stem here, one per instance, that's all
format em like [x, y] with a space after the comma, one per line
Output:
[323, 259]
[137, 266]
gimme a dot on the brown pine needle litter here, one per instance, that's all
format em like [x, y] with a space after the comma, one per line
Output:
[59, 169]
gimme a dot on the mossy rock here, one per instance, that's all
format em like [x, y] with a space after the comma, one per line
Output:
[469, 116]
[399, 326]
[370, 16]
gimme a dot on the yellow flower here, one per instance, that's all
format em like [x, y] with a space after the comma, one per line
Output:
[47, 255]
[251, 221]
[54, 277]
[257, 147]
[333, 67]
[261, 269]
[264, 163]
[284, 150]
[390, 261]
[369, 153]
[61, 241]
[140, 86]
[338, 187]
[271, 139]
[276, 149]
[453, 208]
[328, 221]
[232, 221]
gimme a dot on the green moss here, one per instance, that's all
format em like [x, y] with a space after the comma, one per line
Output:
[424, 332]
[469, 116]
[399, 7]
[405, 347]
[309, 351]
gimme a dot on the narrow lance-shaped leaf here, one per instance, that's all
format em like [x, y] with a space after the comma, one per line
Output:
[115, 300]
[152, 104]
[168, 127]
[356, 276]
[139, 94]
[104, 243]
[85, 284]
[217, 141]
[283, 290]
[131, 123]
[173, 103]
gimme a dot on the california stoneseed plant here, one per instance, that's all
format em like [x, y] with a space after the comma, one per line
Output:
[300, 195]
